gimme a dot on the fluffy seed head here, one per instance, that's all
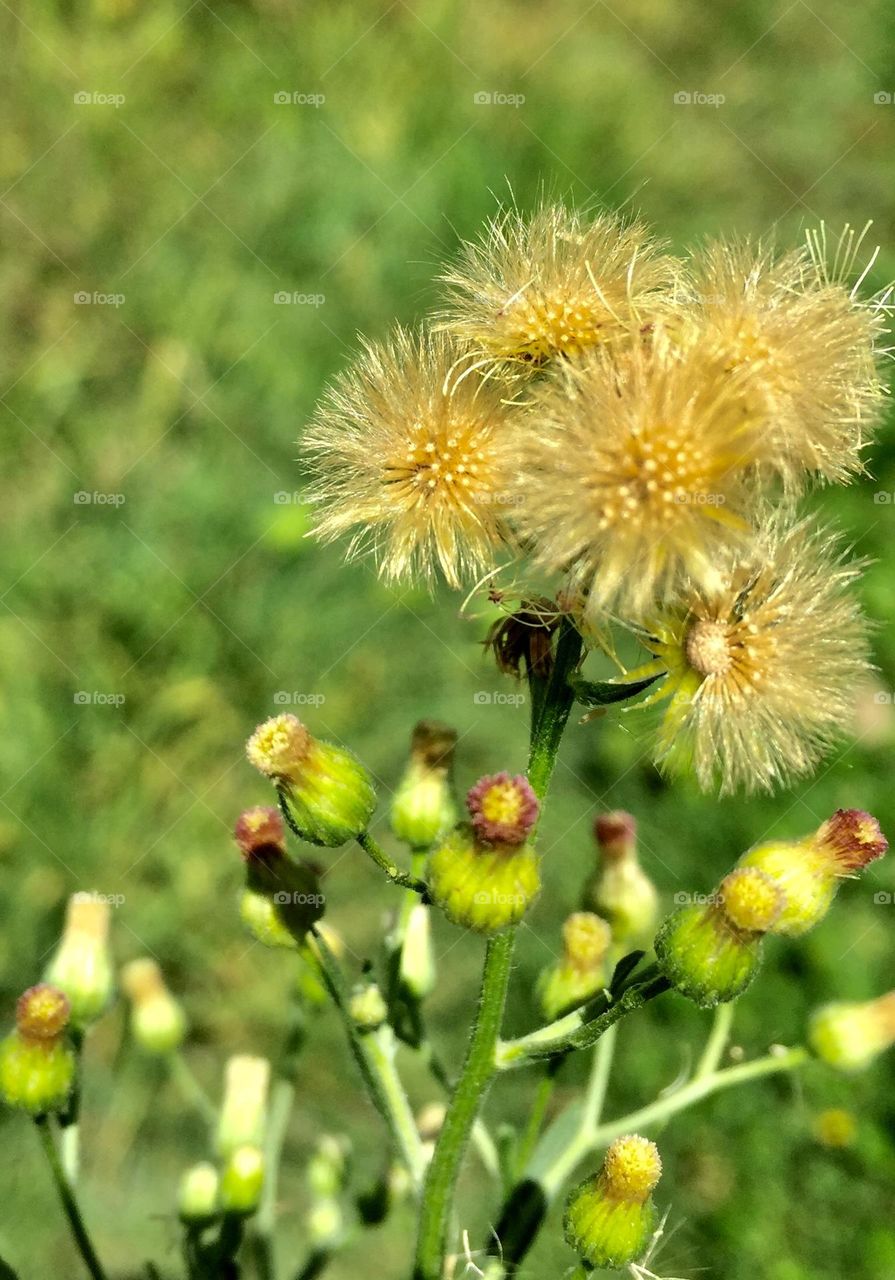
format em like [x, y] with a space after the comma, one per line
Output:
[762, 665]
[636, 475]
[412, 457]
[503, 809]
[555, 285]
[808, 345]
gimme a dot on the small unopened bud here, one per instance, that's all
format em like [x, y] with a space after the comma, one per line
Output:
[328, 1167]
[417, 967]
[483, 887]
[710, 953]
[620, 890]
[581, 971]
[37, 1068]
[368, 1008]
[244, 1109]
[327, 793]
[82, 964]
[850, 1036]
[610, 1216]
[260, 833]
[197, 1198]
[158, 1022]
[242, 1178]
[325, 1224]
[423, 807]
[504, 810]
[259, 914]
[809, 871]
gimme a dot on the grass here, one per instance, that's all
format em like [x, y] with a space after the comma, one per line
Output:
[197, 597]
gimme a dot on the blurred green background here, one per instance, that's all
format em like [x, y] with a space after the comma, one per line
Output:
[148, 160]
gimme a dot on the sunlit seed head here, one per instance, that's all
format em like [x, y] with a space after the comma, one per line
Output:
[413, 459]
[763, 665]
[556, 285]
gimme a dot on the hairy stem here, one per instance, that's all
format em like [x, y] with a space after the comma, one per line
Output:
[552, 700]
[371, 846]
[69, 1202]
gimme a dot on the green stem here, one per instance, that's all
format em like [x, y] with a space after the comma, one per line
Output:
[478, 1071]
[69, 1202]
[264, 1222]
[717, 1041]
[572, 1031]
[377, 1068]
[371, 846]
[190, 1088]
[599, 1078]
[552, 700]
[546, 1085]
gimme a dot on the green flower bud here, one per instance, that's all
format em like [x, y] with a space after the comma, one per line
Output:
[158, 1022]
[328, 1167]
[710, 953]
[263, 921]
[244, 1110]
[242, 1178]
[197, 1198]
[282, 898]
[619, 890]
[482, 887]
[610, 1216]
[416, 971]
[849, 1036]
[325, 1224]
[368, 1008]
[327, 794]
[82, 964]
[423, 808]
[37, 1067]
[581, 971]
[809, 871]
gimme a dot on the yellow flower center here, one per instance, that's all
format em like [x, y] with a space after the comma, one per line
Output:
[656, 473]
[707, 647]
[539, 326]
[278, 746]
[586, 939]
[632, 1168]
[752, 901]
[502, 803]
[448, 463]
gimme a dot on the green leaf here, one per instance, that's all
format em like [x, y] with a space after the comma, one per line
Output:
[6, 1271]
[601, 693]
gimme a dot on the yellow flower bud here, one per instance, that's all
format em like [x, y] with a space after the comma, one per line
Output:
[82, 964]
[481, 887]
[327, 794]
[850, 1036]
[610, 1216]
[158, 1022]
[368, 1008]
[581, 971]
[244, 1110]
[197, 1197]
[242, 1178]
[37, 1068]
[423, 808]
